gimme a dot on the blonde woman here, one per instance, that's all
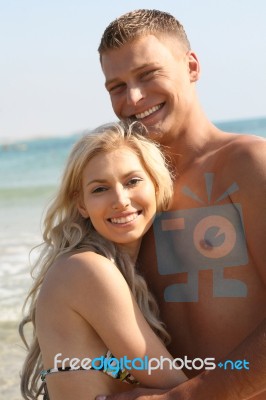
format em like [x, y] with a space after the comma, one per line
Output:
[88, 301]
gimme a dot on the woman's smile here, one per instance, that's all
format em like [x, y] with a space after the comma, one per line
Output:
[124, 219]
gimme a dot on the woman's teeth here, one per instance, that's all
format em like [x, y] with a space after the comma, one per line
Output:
[123, 220]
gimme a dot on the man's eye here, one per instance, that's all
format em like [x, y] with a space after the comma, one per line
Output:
[117, 88]
[148, 74]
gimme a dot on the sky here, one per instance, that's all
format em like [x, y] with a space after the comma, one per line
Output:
[51, 83]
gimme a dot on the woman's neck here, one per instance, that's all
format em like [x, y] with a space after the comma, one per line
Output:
[132, 249]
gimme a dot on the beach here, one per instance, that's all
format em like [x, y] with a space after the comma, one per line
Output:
[29, 175]
[30, 172]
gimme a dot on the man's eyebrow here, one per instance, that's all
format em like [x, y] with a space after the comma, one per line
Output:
[133, 70]
[110, 81]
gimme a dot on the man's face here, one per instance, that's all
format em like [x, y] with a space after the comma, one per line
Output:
[150, 79]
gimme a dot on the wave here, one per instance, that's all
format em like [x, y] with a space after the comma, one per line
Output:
[18, 194]
[252, 126]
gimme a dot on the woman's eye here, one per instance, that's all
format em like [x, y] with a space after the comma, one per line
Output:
[134, 181]
[99, 189]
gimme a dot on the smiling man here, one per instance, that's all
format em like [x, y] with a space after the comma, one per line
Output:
[205, 258]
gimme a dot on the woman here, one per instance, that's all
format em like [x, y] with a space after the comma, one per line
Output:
[88, 300]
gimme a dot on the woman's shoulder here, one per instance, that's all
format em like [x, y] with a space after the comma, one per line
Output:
[81, 259]
[84, 264]
[89, 281]
[81, 280]
[80, 272]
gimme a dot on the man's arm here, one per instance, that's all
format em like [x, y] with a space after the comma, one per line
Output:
[219, 384]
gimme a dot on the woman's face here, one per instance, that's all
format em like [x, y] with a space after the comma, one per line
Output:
[119, 197]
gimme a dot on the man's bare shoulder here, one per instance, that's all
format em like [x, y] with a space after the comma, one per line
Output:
[243, 155]
[248, 144]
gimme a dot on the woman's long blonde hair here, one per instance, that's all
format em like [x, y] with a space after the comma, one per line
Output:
[65, 230]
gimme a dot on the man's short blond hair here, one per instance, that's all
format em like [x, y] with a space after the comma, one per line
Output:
[138, 23]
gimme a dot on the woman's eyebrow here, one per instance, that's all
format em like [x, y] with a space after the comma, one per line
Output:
[125, 176]
[96, 181]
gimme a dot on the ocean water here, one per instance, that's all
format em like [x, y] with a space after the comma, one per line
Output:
[29, 174]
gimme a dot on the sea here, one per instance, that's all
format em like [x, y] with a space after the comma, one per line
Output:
[30, 171]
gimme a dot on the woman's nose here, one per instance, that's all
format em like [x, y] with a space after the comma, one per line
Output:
[121, 199]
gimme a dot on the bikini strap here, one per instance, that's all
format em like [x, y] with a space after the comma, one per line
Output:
[45, 372]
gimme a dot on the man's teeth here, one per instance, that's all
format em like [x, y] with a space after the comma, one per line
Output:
[123, 220]
[148, 112]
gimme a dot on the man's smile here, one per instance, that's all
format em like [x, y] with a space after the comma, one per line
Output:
[148, 112]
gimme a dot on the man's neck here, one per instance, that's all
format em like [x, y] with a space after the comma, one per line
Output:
[196, 138]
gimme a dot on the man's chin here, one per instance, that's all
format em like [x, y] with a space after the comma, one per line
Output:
[155, 134]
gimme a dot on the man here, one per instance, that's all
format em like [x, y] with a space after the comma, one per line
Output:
[205, 259]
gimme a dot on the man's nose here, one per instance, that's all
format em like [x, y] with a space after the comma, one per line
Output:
[134, 95]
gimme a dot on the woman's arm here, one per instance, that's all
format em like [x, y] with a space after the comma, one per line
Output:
[103, 298]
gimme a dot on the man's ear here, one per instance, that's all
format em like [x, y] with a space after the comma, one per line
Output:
[194, 66]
